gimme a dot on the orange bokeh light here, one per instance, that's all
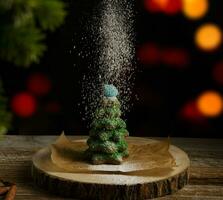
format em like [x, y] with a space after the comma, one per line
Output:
[210, 103]
[208, 37]
[195, 9]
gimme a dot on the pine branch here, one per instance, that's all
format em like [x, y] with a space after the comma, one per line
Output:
[22, 32]
[5, 115]
[27, 39]
[22, 26]
[49, 14]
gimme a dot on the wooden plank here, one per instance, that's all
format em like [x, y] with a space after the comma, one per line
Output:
[206, 167]
[195, 192]
[112, 186]
[18, 173]
[202, 192]
[191, 144]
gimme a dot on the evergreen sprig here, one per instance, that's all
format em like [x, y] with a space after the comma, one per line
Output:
[23, 26]
[5, 115]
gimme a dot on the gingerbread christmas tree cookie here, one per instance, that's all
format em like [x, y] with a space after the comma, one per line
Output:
[107, 144]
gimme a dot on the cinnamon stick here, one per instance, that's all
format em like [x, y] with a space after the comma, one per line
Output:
[4, 190]
[11, 193]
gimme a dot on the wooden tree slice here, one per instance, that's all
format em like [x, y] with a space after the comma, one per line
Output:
[111, 186]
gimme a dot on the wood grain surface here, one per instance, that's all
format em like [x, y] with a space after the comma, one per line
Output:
[206, 173]
[86, 184]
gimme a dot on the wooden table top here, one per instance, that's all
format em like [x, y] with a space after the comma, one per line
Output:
[206, 155]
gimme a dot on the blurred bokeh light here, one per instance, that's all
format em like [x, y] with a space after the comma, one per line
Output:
[218, 73]
[24, 104]
[195, 9]
[210, 103]
[190, 112]
[39, 84]
[175, 57]
[148, 53]
[169, 7]
[208, 37]
[178, 77]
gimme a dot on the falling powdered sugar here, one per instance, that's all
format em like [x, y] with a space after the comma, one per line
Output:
[113, 63]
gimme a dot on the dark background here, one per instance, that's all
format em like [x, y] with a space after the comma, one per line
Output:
[163, 89]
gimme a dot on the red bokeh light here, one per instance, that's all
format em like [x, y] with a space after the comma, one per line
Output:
[23, 104]
[169, 7]
[172, 7]
[191, 113]
[152, 5]
[218, 73]
[53, 107]
[175, 57]
[39, 84]
[148, 53]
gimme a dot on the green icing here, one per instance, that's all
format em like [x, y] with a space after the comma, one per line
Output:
[108, 124]
[113, 135]
[101, 146]
[107, 142]
[119, 134]
[107, 113]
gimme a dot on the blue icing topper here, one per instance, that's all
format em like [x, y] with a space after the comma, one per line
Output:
[110, 90]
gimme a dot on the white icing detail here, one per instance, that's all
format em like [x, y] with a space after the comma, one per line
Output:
[112, 98]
